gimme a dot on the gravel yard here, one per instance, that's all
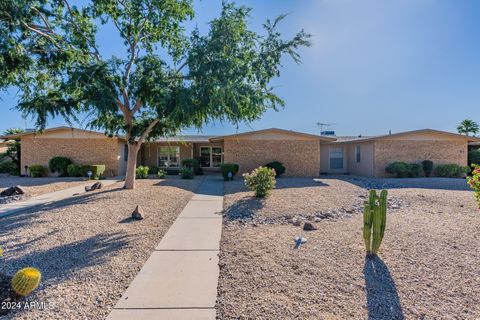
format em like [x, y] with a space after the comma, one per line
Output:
[88, 248]
[428, 265]
[38, 186]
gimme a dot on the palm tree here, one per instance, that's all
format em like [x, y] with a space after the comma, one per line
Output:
[468, 126]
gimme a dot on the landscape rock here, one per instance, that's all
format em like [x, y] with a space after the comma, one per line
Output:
[308, 226]
[15, 190]
[296, 222]
[96, 186]
[138, 213]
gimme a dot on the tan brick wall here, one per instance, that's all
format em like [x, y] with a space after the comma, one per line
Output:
[80, 151]
[440, 152]
[300, 157]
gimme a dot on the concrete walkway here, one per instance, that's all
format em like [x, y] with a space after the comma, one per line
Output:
[179, 280]
[47, 198]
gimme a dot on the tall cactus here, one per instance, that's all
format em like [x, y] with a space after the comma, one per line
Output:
[25, 281]
[374, 220]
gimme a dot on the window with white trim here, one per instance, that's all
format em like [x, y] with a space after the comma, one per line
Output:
[211, 157]
[336, 158]
[168, 157]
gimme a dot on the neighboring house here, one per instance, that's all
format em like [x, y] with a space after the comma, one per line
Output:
[302, 154]
[3, 146]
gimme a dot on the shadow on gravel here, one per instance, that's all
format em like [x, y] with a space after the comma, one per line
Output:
[383, 301]
[244, 208]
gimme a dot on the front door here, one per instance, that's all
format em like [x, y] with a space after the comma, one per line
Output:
[210, 157]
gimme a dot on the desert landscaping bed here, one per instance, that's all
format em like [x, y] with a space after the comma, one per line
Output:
[38, 186]
[88, 248]
[427, 268]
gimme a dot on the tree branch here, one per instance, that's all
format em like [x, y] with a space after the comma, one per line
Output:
[138, 105]
[148, 130]
[43, 34]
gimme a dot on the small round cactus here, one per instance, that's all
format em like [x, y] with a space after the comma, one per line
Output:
[25, 281]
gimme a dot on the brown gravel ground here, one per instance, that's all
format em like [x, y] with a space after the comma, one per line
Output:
[428, 266]
[38, 186]
[88, 248]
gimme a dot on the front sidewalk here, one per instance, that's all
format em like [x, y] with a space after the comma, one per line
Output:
[179, 280]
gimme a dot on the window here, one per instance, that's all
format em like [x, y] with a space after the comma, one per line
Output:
[210, 157]
[169, 157]
[357, 153]
[336, 158]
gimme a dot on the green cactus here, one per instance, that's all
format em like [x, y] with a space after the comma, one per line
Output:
[374, 220]
[25, 281]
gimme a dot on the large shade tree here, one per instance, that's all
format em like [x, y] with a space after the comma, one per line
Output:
[167, 80]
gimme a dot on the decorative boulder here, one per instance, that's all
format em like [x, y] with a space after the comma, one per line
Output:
[95, 186]
[308, 226]
[12, 191]
[138, 214]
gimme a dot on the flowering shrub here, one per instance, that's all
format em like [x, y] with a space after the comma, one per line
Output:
[474, 182]
[261, 181]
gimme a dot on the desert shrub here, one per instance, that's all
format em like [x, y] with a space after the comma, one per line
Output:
[451, 170]
[142, 172]
[153, 170]
[415, 170]
[229, 167]
[474, 157]
[277, 166]
[73, 170]
[261, 181]
[37, 170]
[399, 169]
[9, 167]
[474, 182]
[427, 167]
[161, 173]
[96, 169]
[59, 165]
[186, 173]
[193, 164]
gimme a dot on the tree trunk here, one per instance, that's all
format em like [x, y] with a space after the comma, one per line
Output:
[131, 165]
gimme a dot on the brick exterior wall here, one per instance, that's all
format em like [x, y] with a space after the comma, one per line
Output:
[415, 151]
[149, 152]
[80, 151]
[300, 157]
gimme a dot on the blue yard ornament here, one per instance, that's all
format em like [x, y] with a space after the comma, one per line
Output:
[89, 174]
[230, 175]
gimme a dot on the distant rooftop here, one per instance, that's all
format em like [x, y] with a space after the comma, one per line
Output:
[186, 138]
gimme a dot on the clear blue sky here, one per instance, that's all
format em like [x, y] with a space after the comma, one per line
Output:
[374, 65]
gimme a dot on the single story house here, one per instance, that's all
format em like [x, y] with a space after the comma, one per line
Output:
[302, 154]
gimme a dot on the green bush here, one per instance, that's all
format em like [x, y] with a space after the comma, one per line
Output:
[427, 167]
[142, 172]
[59, 165]
[451, 170]
[404, 170]
[277, 166]
[74, 171]
[37, 170]
[97, 170]
[153, 170]
[415, 170]
[474, 157]
[9, 167]
[229, 167]
[193, 164]
[161, 174]
[186, 173]
[261, 181]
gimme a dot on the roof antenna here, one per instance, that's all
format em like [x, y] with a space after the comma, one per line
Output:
[390, 132]
[321, 125]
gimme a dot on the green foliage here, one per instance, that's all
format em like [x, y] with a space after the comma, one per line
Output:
[142, 172]
[451, 170]
[193, 164]
[9, 167]
[74, 170]
[13, 152]
[153, 170]
[96, 169]
[227, 168]
[277, 166]
[161, 174]
[37, 171]
[474, 182]
[49, 52]
[404, 170]
[474, 156]
[427, 167]
[25, 281]
[186, 173]
[59, 165]
[468, 126]
[374, 220]
[261, 181]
